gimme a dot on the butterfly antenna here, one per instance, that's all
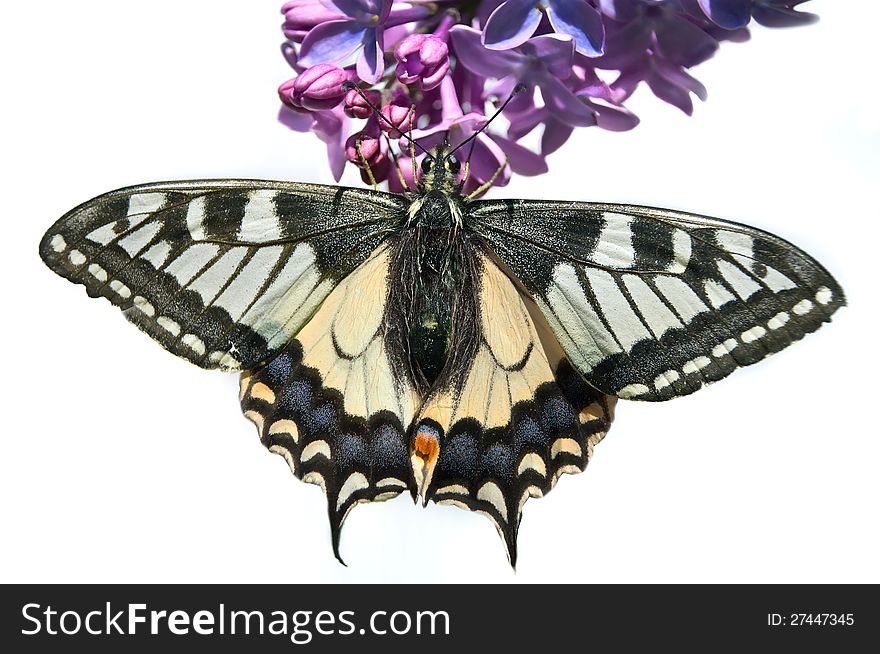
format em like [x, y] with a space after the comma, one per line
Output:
[351, 86]
[396, 162]
[519, 88]
[366, 164]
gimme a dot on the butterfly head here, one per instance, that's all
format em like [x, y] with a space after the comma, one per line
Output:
[440, 171]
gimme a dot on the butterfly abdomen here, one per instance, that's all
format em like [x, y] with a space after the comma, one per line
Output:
[432, 304]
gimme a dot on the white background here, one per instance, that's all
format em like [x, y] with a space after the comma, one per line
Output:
[120, 463]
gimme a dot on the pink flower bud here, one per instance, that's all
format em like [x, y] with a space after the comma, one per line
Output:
[373, 149]
[356, 107]
[401, 116]
[423, 59]
[316, 88]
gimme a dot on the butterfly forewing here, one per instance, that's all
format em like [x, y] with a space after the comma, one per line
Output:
[222, 273]
[651, 304]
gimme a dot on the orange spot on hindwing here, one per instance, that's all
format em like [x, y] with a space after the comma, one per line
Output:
[425, 451]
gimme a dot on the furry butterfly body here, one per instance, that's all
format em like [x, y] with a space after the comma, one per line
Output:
[466, 351]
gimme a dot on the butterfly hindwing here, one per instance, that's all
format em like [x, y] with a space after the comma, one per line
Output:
[651, 304]
[221, 272]
[518, 419]
[331, 404]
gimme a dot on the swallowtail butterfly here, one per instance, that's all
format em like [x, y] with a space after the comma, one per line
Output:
[465, 351]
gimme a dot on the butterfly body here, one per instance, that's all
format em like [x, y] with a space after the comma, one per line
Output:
[468, 352]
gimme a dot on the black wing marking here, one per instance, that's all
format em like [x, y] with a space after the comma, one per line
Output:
[331, 404]
[519, 419]
[224, 272]
[651, 304]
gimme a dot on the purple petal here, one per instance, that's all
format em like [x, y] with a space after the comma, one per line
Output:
[522, 124]
[511, 24]
[406, 169]
[329, 128]
[680, 78]
[371, 63]
[614, 119]
[357, 9]
[564, 105]
[555, 134]
[684, 43]
[555, 52]
[729, 14]
[479, 60]
[487, 159]
[331, 42]
[298, 121]
[522, 160]
[620, 10]
[673, 85]
[581, 22]
[775, 14]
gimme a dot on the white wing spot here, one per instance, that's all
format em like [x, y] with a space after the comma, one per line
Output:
[76, 257]
[665, 379]
[567, 445]
[315, 448]
[632, 390]
[742, 284]
[145, 203]
[753, 334]
[824, 295]
[489, 492]
[143, 305]
[262, 392]
[285, 426]
[195, 215]
[725, 348]
[453, 489]
[390, 481]
[779, 320]
[194, 343]
[803, 307]
[98, 272]
[120, 289]
[355, 482]
[615, 248]
[717, 294]
[157, 254]
[695, 365]
[138, 239]
[260, 222]
[168, 325]
[532, 461]
[736, 243]
[58, 243]
[315, 478]
[681, 252]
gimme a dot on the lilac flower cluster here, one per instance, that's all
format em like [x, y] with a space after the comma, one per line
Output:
[438, 69]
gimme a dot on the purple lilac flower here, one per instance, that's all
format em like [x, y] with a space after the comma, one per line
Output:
[422, 59]
[515, 21]
[441, 68]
